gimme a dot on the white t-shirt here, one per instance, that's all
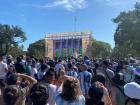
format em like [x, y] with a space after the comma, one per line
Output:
[52, 91]
[33, 72]
[3, 67]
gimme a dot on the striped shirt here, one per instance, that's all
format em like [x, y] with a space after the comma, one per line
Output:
[79, 101]
[85, 81]
[72, 73]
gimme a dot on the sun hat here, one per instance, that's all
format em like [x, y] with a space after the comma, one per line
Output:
[132, 90]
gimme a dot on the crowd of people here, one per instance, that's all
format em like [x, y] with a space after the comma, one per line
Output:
[69, 81]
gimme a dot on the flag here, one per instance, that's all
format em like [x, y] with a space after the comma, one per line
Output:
[63, 53]
[57, 53]
[69, 52]
[81, 51]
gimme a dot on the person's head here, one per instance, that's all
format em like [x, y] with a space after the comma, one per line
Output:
[96, 65]
[11, 95]
[78, 65]
[119, 79]
[18, 59]
[60, 61]
[33, 65]
[105, 64]
[71, 90]
[84, 67]
[39, 94]
[9, 61]
[44, 67]
[49, 76]
[69, 65]
[23, 57]
[60, 74]
[95, 95]
[11, 79]
[100, 78]
[29, 62]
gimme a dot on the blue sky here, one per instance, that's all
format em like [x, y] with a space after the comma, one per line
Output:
[38, 17]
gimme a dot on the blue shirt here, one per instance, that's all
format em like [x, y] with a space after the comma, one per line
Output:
[85, 81]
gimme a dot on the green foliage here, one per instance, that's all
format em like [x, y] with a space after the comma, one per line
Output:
[16, 51]
[127, 35]
[99, 49]
[37, 49]
[10, 38]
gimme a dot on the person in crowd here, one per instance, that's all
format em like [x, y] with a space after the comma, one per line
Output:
[132, 91]
[100, 78]
[128, 74]
[23, 60]
[59, 77]
[3, 71]
[59, 65]
[98, 95]
[51, 63]
[3, 68]
[39, 94]
[42, 72]
[33, 72]
[18, 66]
[70, 71]
[109, 74]
[49, 78]
[84, 78]
[70, 93]
[28, 66]
[13, 95]
[117, 94]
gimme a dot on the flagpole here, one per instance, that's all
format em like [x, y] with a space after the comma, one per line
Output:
[75, 21]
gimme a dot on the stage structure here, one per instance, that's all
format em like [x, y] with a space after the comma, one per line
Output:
[67, 44]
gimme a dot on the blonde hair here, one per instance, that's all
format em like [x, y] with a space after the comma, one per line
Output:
[71, 90]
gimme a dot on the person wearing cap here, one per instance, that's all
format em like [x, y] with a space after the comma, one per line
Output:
[132, 91]
[85, 78]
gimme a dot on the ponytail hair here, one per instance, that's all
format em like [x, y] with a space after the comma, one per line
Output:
[39, 94]
[96, 95]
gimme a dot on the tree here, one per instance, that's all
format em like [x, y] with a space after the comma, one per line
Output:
[16, 51]
[127, 35]
[99, 49]
[10, 37]
[37, 49]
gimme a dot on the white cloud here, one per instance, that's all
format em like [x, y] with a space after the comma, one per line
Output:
[69, 5]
